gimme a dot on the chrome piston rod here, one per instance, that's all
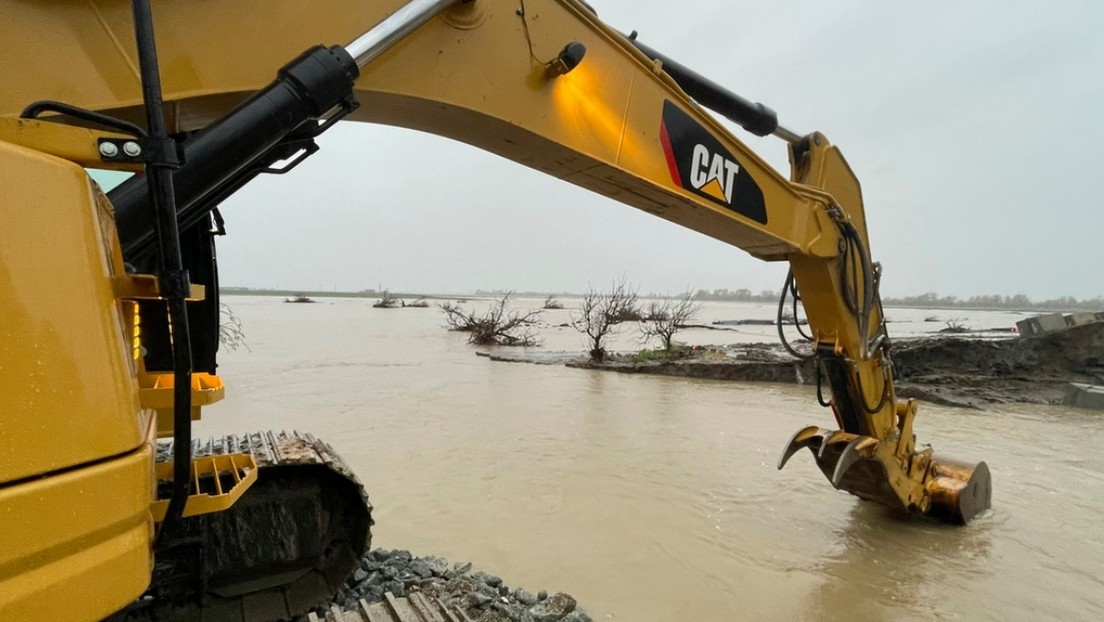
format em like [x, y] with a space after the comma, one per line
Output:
[392, 29]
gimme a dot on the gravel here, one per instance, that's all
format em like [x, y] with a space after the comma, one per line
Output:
[483, 597]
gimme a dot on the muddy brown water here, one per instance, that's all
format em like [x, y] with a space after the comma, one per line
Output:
[653, 498]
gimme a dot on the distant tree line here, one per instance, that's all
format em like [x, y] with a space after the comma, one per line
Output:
[996, 301]
[766, 295]
[928, 300]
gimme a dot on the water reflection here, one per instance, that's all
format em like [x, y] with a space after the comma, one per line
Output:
[895, 567]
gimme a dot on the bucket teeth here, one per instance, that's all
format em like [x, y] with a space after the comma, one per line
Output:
[811, 437]
[858, 448]
[834, 441]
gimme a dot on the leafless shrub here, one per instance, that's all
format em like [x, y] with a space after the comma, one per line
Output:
[601, 312]
[230, 329]
[630, 314]
[552, 303]
[387, 301]
[664, 319]
[496, 326]
[954, 328]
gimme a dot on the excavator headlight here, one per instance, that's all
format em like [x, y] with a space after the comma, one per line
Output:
[568, 59]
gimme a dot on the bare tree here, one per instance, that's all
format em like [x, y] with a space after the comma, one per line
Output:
[496, 326]
[388, 301]
[552, 303]
[601, 312]
[230, 329]
[666, 318]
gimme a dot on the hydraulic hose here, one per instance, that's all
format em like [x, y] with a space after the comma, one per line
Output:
[173, 279]
[787, 288]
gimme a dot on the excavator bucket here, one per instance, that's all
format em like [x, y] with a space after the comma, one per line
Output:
[946, 489]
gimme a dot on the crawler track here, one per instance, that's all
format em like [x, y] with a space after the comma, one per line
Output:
[287, 545]
[415, 608]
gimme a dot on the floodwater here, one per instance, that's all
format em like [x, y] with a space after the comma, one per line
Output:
[651, 498]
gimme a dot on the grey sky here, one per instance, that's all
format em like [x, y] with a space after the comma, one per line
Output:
[975, 128]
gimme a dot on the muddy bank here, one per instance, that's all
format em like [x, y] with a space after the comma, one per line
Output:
[480, 596]
[1032, 369]
[950, 370]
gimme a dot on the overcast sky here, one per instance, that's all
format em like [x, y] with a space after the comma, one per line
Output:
[975, 128]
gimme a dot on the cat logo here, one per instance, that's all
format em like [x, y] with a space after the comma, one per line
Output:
[701, 164]
[713, 173]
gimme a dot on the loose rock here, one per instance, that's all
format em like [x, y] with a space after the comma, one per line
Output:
[437, 565]
[555, 608]
[420, 568]
[475, 599]
[489, 579]
[483, 597]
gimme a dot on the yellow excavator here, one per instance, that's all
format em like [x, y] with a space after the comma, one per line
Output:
[110, 304]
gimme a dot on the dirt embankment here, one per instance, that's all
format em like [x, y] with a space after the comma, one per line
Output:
[955, 371]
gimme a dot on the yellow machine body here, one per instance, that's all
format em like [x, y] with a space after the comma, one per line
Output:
[76, 460]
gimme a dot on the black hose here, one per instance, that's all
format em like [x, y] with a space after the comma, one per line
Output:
[797, 322]
[847, 289]
[856, 248]
[173, 279]
[820, 388]
[861, 275]
[37, 108]
[862, 396]
[786, 288]
[867, 271]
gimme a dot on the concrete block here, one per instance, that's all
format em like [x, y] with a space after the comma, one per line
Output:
[1079, 319]
[1051, 322]
[1029, 327]
[1084, 396]
[1041, 324]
